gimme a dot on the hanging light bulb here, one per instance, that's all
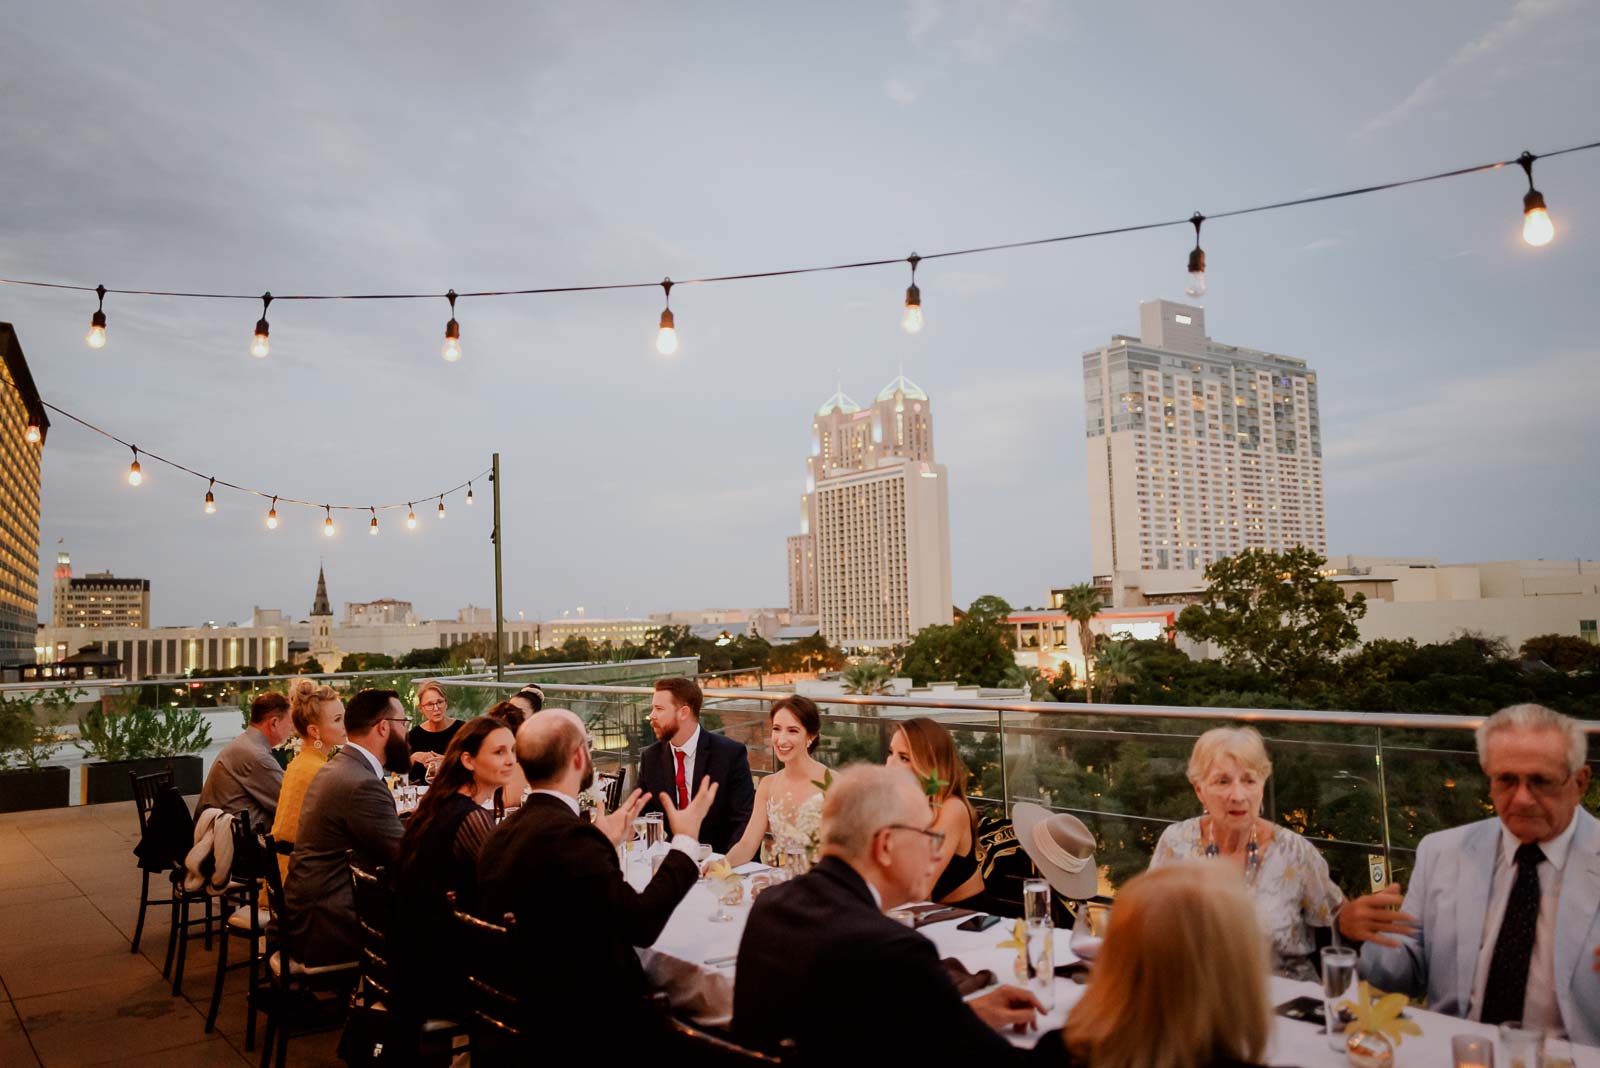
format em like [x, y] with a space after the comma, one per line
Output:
[666, 337]
[452, 332]
[135, 476]
[96, 337]
[1197, 263]
[411, 517]
[912, 321]
[327, 522]
[373, 527]
[260, 346]
[33, 435]
[469, 493]
[211, 498]
[272, 515]
[441, 506]
[1537, 229]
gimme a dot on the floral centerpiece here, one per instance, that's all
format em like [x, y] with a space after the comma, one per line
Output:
[1377, 1028]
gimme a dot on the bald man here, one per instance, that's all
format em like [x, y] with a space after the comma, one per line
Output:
[578, 920]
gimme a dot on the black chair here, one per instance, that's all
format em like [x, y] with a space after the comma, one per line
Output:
[611, 785]
[286, 988]
[495, 1012]
[689, 1043]
[380, 1012]
[243, 917]
[146, 788]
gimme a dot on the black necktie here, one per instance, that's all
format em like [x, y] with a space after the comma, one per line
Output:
[1513, 949]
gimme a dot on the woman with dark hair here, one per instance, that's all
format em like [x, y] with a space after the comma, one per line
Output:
[440, 850]
[530, 699]
[788, 802]
[926, 748]
[512, 713]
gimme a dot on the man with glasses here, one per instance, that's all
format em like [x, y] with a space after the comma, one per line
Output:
[822, 965]
[1500, 921]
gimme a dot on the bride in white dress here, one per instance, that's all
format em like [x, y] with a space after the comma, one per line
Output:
[788, 803]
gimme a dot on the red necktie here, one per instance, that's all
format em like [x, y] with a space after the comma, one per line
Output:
[683, 789]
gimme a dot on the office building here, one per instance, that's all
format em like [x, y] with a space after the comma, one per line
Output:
[872, 559]
[98, 599]
[384, 610]
[22, 419]
[1197, 450]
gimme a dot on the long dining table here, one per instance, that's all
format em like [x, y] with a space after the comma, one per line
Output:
[694, 960]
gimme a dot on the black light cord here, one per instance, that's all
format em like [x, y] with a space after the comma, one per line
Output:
[856, 265]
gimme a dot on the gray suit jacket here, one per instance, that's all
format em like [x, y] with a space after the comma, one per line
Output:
[346, 807]
[245, 776]
[1449, 895]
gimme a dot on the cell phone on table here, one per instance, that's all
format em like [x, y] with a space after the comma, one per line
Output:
[1306, 1010]
[981, 922]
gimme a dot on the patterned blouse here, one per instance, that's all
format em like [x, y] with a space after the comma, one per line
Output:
[1293, 891]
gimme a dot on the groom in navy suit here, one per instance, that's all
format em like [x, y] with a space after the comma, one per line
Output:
[684, 756]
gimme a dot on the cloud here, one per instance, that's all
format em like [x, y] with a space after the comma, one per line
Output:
[979, 32]
[901, 92]
[1322, 244]
[1525, 14]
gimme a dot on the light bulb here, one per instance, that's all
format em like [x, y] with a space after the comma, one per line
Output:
[260, 346]
[667, 336]
[32, 435]
[211, 503]
[135, 476]
[452, 346]
[96, 337]
[469, 493]
[411, 518]
[441, 507]
[372, 528]
[912, 321]
[327, 523]
[1537, 229]
[272, 517]
[1197, 284]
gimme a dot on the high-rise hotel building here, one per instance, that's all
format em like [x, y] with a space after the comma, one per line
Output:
[872, 559]
[1197, 450]
[20, 410]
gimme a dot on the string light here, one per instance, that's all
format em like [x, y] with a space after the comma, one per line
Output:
[1197, 262]
[327, 522]
[441, 507]
[1537, 229]
[260, 346]
[33, 435]
[913, 317]
[96, 337]
[135, 476]
[272, 515]
[666, 336]
[469, 493]
[452, 332]
[411, 517]
[373, 528]
[211, 498]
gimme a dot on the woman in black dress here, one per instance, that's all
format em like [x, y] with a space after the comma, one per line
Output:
[431, 737]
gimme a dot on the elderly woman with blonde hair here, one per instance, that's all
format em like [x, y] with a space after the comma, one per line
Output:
[1181, 981]
[1282, 871]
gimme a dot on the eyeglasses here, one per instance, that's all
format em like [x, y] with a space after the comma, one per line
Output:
[935, 838]
[435, 704]
[588, 740]
[1538, 785]
[397, 719]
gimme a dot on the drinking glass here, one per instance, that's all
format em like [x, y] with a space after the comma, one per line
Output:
[1472, 1051]
[1041, 963]
[728, 892]
[1089, 929]
[641, 833]
[1036, 901]
[795, 862]
[655, 829]
[1338, 972]
[1524, 1046]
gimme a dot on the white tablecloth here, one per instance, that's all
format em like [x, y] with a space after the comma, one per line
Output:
[686, 962]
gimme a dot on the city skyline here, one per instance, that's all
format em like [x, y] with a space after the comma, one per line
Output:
[636, 484]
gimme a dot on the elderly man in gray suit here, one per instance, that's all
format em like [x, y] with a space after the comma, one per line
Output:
[245, 774]
[347, 807]
[1502, 918]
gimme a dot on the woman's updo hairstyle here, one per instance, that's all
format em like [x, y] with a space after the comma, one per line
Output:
[803, 709]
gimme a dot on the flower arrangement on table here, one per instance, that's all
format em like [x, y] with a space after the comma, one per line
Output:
[1377, 1026]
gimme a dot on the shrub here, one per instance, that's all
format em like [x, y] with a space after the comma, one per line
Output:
[134, 733]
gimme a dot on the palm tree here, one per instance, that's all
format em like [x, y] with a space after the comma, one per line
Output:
[1082, 603]
[1117, 662]
[867, 677]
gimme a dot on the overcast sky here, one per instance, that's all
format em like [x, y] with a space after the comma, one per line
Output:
[409, 147]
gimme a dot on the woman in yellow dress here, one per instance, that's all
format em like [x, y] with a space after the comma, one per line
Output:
[318, 716]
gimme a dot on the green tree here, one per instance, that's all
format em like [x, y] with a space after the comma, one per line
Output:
[1275, 611]
[366, 662]
[424, 658]
[310, 666]
[992, 611]
[1564, 652]
[1031, 680]
[972, 652]
[1118, 664]
[812, 653]
[1082, 603]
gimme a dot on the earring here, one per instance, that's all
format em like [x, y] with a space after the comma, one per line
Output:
[316, 743]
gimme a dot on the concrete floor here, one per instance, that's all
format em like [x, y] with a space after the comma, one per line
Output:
[71, 993]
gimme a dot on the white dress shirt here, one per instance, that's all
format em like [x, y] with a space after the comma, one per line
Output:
[688, 751]
[1539, 1007]
[689, 847]
[377, 765]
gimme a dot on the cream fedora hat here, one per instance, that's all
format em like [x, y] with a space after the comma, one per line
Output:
[1060, 846]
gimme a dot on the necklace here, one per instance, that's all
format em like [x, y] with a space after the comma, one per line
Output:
[1252, 854]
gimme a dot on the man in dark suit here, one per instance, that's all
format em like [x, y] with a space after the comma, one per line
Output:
[683, 755]
[819, 963]
[348, 806]
[578, 920]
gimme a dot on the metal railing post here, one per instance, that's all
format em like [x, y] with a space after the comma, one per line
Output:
[1005, 788]
[1383, 803]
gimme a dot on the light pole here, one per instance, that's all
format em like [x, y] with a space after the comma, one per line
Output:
[499, 593]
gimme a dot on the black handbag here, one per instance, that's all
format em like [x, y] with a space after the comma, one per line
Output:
[375, 1038]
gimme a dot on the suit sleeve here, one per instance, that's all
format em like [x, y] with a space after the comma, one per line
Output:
[1403, 969]
[262, 781]
[741, 791]
[639, 914]
[649, 782]
[374, 824]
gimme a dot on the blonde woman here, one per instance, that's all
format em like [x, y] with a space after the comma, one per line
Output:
[318, 717]
[1181, 981]
[927, 750]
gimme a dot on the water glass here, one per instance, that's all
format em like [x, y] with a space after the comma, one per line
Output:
[1041, 964]
[655, 829]
[1338, 973]
[1089, 929]
[1524, 1046]
[795, 862]
[1036, 901]
[641, 833]
[1472, 1051]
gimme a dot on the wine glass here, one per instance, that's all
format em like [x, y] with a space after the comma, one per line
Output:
[1338, 972]
[728, 892]
[1089, 929]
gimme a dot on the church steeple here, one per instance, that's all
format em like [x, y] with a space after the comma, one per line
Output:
[320, 606]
